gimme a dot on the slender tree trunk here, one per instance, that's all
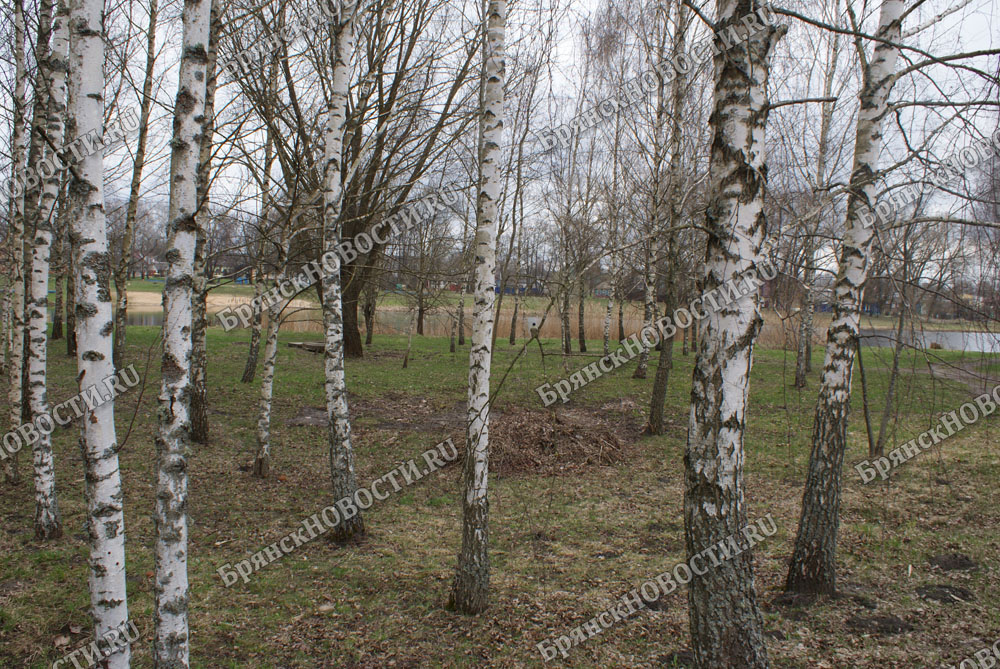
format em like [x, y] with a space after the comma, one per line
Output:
[890, 392]
[621, 320]
[581, 324]
[250, 370]
[813, 565]
[343, 482]
[420, 312]
[128, 239]
[262, 463]
[4, 327]
[171, 641]
[70, 251]
[51, 74]
[607, 327]
[726, 625]
[105, 515]
[650, 306]
[451, 339]
[461, 315]
[470, 593]
[16, 233]
[567, 337]
[685, 336]
[409, 338]
[199, 324]
[57, 270]
[371, 294]
[805, 329]
[513, 318]
[667, 206]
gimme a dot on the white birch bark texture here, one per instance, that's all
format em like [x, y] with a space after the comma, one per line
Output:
[262, 463]
[94, 327]
[171, 642]
[52, 73]
[18, 144]
[470, 593]
[725, 621]
[342, 477]
[813, 565]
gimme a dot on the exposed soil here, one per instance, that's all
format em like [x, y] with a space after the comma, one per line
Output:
[946, 594]
[953, 562]
[878, 625]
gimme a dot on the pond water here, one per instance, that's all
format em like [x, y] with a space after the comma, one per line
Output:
[972, 342]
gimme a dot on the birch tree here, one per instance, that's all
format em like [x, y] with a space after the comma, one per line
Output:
[726, 625]
[171, 638]
[52, 75]
[813, 565]
[128, 239]
[470, 593]
[343, 481]
[18, 145]
[98, 442]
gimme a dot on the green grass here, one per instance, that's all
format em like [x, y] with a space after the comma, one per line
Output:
[381, 603]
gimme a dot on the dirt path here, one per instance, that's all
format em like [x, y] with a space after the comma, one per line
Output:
[965, 372]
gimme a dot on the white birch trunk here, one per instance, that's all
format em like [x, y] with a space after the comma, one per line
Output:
[19, 150]
[262, 463]
[342, 477]
[94, 330]
[649, 278]
[472, 579]
[52, 71]
[171, 642]
[813, 566]
[726, 625]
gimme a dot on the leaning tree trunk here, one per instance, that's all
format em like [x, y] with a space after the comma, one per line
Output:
[250, 370]
[128, 238]
[581, 321]
[262, 463]
[105, 516]
[470, 593]
[813, 565]
[199, 321]
[726, 625]
[16, 234]
[52, 74]
[342, 477]
[171, 640]
[512, 340]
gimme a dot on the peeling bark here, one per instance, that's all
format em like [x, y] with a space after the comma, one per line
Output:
[470, 593]
[726, 624]
[93, 330]
[171, 641]
[342, 476]
[813, 564]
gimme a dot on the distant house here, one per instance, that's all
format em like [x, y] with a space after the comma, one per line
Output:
[603, 289]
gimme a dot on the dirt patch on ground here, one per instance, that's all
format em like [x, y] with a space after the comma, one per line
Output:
[946, 594]
[953, 562]
[878, 625]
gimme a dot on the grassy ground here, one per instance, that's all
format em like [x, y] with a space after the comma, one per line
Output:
[564, 543]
